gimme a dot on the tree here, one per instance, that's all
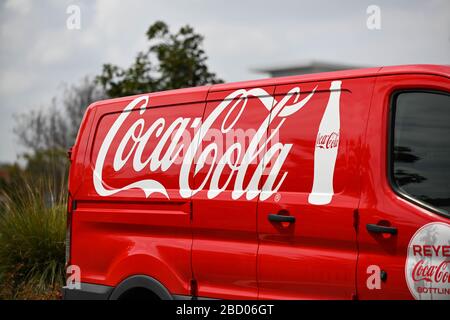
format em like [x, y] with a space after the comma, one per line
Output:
[172, 61]
[55, 128]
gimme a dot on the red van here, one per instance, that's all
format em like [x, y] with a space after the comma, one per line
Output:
[322, 186]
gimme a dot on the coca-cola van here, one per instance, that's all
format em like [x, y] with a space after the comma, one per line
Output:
[323, 186]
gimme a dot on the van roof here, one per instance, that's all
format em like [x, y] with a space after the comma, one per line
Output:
[197, 94]
[344, 74]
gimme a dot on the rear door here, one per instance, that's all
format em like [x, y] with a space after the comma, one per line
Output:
[404, 237]
[306, 228]
[130, 217]
[227, 185]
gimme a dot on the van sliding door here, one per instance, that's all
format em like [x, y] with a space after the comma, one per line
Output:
[306, 228]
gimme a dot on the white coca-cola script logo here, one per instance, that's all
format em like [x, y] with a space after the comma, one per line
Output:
[328, 141]
[427, 268]
[261, 150]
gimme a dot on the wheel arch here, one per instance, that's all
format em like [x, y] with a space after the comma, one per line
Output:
[141, 281]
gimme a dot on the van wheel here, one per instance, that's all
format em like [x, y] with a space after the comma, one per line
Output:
[139, 294]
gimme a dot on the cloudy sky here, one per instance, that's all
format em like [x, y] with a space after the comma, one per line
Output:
[38, 53]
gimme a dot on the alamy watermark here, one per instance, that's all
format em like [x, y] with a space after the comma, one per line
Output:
[73, 21]
[73, 280]
[373, 21]
[374, 278]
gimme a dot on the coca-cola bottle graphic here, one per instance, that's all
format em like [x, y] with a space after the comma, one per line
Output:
[326, 149]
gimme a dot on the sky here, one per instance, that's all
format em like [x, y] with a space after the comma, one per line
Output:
[39, 54]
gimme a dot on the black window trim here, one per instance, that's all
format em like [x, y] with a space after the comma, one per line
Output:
[390, 151]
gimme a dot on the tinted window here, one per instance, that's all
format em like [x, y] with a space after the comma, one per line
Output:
[421, 147]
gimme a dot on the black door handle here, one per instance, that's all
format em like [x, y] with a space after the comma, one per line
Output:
[281, 218]
[376, 228]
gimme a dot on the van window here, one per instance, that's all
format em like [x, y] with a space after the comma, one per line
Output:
[421, 148]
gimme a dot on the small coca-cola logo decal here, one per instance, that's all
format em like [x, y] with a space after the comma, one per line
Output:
[422, 271]
[327, 141]
[427, 268]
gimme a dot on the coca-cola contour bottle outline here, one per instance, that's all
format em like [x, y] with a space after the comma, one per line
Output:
[326, 149]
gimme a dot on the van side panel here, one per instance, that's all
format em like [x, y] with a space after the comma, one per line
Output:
[144, 204]
[120, 230]
[225, 242]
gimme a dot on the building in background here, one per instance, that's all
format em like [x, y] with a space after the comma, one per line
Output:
[304, 68]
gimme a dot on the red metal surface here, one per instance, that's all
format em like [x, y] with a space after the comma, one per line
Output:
[228, 245]
[315, 257]
[378, 200]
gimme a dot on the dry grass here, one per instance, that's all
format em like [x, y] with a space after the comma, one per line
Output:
[32, 241]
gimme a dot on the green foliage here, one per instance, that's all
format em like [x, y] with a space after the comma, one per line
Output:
[32, 240]
[52, 164]
[172, 61]
[8, 173]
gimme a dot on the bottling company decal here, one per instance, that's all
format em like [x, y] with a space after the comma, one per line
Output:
[261, 150]
[427, 268]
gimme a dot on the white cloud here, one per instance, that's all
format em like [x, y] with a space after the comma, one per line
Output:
[14, 82]
[49, 49]
[23, 7]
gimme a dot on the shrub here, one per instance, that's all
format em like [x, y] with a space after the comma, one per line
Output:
[32, 240]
